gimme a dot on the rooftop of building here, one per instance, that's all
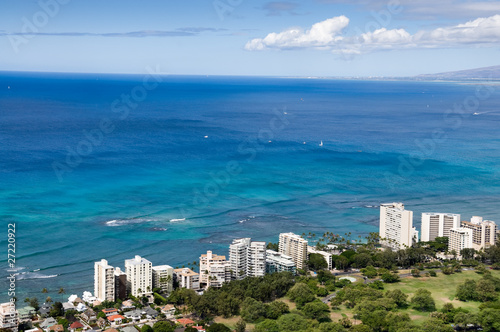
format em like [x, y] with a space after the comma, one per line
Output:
[137, 260]
[162, 267]
[185, 271]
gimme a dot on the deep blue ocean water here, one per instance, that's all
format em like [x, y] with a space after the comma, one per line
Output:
[197, 161]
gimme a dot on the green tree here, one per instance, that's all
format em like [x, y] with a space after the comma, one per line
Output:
[468, 253]
[389, 277]
[317, 262]
[316, 310]
[163, 326]
[44, 291]
[485, 290]
[252, 310]
[423, 301]
[369, 272]
[218, 327]
[398, 296]
[467, 290]
[275, 309]
[436, 325]
[362, 260]
[301, 294]
[292, 322]
[146, 328]
[57, 310]
[241, 326]
[331, 327]
[101, 314]
[490, 319]
[267, 325]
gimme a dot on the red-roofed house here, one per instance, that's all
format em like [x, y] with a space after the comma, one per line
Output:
[110, 311]
[116, 319]
[200, 328]
[185, 321]
[76, 325]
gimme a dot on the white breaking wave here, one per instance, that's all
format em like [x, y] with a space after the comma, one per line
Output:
[33, 275]
[174, 220]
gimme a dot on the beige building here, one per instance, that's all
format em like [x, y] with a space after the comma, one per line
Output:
[483, 232]
[104, 281]
[187, 278]
[163, 278]
[8, 316]
[294, 246]
[459, 238]
[139, 276]
[247, 258]
[396, 226]
[438, 225]
[214, 270]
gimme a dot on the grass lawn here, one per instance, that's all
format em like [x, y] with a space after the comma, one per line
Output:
[442, 287]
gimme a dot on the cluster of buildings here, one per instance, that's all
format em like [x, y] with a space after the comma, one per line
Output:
[397, 231]
[247, 258]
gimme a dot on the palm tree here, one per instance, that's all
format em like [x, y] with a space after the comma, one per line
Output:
[61, 291]
[48, 299]
[45, 291]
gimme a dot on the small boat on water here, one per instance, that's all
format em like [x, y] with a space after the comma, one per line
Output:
[321, 144]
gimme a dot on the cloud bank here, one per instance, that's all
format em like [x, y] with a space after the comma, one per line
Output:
[328, 34]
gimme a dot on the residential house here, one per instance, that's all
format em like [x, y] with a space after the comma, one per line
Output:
[168, 310]
[48, 323]
[26, 313]
[128, 329]
[101, 322]
[199, 328]
[185, 321]
[89, 315]
[75, 326]
[117, 319]
[68, 306]
[110, 311]
[45, 309]
[56, 328]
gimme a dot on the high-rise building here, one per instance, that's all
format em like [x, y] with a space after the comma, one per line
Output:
[459, 238]
[277, 262]
[483, 232]
[139, 276]
[104, 281]
[247, 258]
[187, 278]
[120, 284]
[8, 316]
[163, 278]
[396, 226]
[438, 225]
[214, 270]
[294, 246]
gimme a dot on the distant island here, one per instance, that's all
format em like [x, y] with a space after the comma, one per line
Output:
[492, 72]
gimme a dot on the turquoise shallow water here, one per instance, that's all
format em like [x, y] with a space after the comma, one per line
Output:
[201, 161]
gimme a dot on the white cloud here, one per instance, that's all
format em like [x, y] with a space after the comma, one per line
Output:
[320, 34]
[328, 35]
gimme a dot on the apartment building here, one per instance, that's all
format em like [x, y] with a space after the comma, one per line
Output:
[139, 276]
[247, 258]
[396, 226]
[163, 278]
[187, 278]
[438, 225]
[294, 246]
[278, 262]
[483, 232]
[104, 281]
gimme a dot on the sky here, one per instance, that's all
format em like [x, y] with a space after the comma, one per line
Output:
[250, 37]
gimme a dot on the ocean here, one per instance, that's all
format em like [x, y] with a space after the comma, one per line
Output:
[111, 166]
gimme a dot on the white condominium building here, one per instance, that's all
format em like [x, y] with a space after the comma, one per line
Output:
[104, 281]
[214, 270]
[277, 262]
[483, 232]
[8, 316]
[247, 258]
[187, 278]
[460, 238]
[396, 226]
[163, 278]
[438, 225]
[139, 276]
[294, 246]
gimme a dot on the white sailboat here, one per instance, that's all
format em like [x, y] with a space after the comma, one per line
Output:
[321, 144]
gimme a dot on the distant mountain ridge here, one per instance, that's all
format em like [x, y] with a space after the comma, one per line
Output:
[492, 72]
